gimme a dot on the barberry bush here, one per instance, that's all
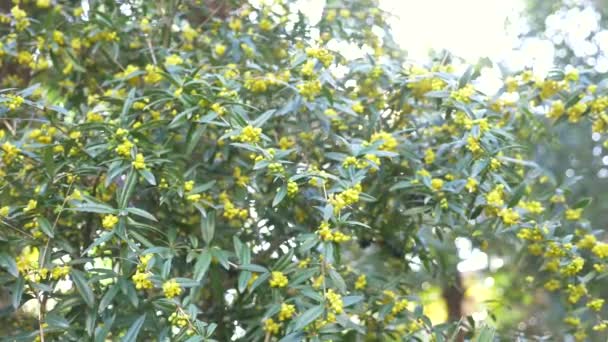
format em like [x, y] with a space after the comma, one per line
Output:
[216, 170]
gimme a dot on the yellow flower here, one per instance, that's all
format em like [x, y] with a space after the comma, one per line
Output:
[292, 188]
[188, 185]
[43, 3]
[595, 304]
[173, 60]
[4, 211]
[495, 196]
[141, 280]
[278, 279]
[171, 289]
[600, 250]
[573, 267]
[473, 144]
[471, 185]
[389, 143]
[361, 282]
[250, 134]
[574, 214]
[357, 107]
[600, 326]
[509, 216]
[265, 25]
[220, 49]
[552, 285]
[271, 327]
[287, 311]
[60, 272]
[573, 321]
[109, 221]
[429, 156]
[436, 184]
[587, 242]
[534, 207]
[124, 149]
[463, 94]
[31, 205]
[335, 301]
[576, 292]
[139, 163]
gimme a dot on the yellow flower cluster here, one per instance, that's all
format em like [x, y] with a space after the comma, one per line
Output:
[534, 207]
[124, 149]
[471, 184]
[10, 152]
[436, 184]
[109, 221]
[292, 189]
[142, 280]
[271, 327]
[389, 143]
[250, 134]
[463, 94]
[287, 312]
[495, 197]
[530, 234]
[574, 267]
[600, 250]
[310, 89]
[509, 216]
[596, 304]
[347, 197]
[278, 279]
[323, 55]
[230, 210]
[171, 289]
[573, 214]
[422, 80]
[576, 292]
[327, 235]
[361, 282]
[335, 301]
[139, 163]
[179, 319]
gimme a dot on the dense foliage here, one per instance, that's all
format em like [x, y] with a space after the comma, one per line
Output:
[197, 171]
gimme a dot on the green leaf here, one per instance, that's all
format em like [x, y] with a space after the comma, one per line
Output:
[294, 337]
[107, 298]
[141, 213]
[519, 193]
[9, 264]
[83, 287]
[202, 265]
[583, 203]
[45, 226]
[17, 291]
[337, 280]
[94, 208]
[351, 300]
[486, 334]
[253, 268]
[101, 239]
[131, 335]
[308, 317]
[128, 103]
[148, 176]
[127, 189]
[208, 226]
[57, 322]
[279, 195]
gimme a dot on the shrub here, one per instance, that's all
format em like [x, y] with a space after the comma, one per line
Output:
[195, 170]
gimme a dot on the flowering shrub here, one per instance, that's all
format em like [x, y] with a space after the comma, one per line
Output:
[185, 171]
